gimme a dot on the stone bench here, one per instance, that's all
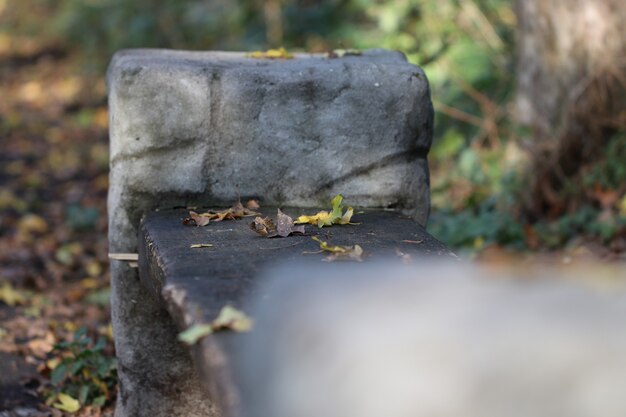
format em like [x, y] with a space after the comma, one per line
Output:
[205, 128]
[193, 284]
[357, 340]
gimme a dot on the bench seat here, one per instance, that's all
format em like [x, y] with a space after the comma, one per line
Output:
[193, 284]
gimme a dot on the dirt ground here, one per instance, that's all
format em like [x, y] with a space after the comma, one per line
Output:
[53, 247]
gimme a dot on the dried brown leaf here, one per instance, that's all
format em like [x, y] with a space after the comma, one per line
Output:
[197, 219]
[263, 226]
[253, 205]
[285, 225]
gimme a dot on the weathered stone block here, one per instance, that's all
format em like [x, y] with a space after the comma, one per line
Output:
[437, 340]
[190, 128]
[293, 132]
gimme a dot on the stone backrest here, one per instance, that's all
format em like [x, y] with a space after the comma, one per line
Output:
[207, 127]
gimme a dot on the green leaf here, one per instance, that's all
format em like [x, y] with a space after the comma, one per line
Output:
[324, 218]
[104, 367]
[83, 394]
[76, 367]
[58, 374]
[336, 203]
[194, 333]
[100, 344]
[101, 297]
[99, 401]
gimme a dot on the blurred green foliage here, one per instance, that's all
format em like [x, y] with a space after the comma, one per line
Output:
[84, 371]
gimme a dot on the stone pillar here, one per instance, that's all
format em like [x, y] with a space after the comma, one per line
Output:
[202, 128]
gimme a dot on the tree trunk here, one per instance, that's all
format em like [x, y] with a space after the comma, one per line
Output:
[571, 91]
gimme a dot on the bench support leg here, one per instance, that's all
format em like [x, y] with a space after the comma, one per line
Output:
[156, 375]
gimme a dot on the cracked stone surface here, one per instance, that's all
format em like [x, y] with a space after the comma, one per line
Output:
[203, 128]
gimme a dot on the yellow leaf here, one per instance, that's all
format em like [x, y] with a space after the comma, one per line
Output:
[345, 219]
[32, 223]
[351, 253]
[329, 248]
[195, 332]
[89, 283]
[11, 296]
[53, 363]
[321, 219]
[201, 245]
[280, 53]
[324, 218]
[67, 403]
[233, 319]
[229, 318]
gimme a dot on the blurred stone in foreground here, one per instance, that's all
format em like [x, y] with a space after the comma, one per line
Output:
[436, 340]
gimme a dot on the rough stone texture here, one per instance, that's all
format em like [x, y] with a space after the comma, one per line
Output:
[192, 128]
[447, 341]
[195, 284]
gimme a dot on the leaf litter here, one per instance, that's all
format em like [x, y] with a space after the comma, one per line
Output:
[339, 253]
[283, 227]
[237, 211]
[229, 318]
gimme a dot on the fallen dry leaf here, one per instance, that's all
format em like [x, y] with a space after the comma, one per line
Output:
[67, 403]
[283, 227]
[237, 211]
[32, 223]
[263, 225]
[325, 218]
[10, 296]
[201, 245]
[232, 319]
[197, 219]
[344, 253]
[195, 332]
[229, 318]
[280, 53]
[253, 205]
